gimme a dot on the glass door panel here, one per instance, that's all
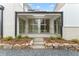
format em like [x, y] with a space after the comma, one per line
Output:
[38, 25]
[33, 26]
[44, 26]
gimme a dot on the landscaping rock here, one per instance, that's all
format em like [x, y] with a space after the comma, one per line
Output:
[26, 44]
[7, 46]
[31, 42]
[17, 46]
[49, 44]
[56, 45]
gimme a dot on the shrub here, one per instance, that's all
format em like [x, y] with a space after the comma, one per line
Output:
[52, 38]
[26, 37]
[8, 38]
[75, 40]
[19, 37]
[56, 38]
[60, 38]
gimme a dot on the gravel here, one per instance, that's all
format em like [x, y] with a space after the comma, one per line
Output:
[38, 52]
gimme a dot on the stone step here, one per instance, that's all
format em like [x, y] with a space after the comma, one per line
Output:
[38, 39]
[38, 42]
[38, 46]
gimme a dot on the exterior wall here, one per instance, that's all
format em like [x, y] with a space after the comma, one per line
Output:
[71, 33]
[70, 14]
[70, 20]
[9, 18]
[0, 23]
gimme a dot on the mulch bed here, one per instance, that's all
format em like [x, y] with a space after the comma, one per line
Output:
[15, 41]
[48, 40]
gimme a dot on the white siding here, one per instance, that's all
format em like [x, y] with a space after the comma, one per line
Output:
[71, 33]
[71, 14]
[0, 23]
[71, 21]
[9, 18]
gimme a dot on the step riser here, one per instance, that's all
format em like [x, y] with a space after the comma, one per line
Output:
[39, 43]
[38, 40]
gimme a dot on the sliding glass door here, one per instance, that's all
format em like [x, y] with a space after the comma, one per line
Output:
[33, 26]
[44, 26]
[38, 25]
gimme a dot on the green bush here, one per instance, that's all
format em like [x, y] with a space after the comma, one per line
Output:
[75, 40]
[8, 38]
[26, 37]
[55, 38]
[18, 37]
[60, 38]
[52, 38]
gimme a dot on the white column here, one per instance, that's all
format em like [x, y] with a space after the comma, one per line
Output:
[39, 21]
[51, 26]
[18, 25]
[26, 26]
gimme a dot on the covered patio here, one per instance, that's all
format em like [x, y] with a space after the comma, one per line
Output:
[38, 24]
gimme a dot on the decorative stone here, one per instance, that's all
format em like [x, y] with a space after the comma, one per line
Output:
[26, 44]
[31, 42]
[61, 45]
[2, 44]
[7, 46]
[65, 44]
[76, 49]
[17, 45]
[56, 45]
[23, 44]
[48, 44]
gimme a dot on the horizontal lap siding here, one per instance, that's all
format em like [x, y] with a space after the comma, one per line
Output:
[71, 33]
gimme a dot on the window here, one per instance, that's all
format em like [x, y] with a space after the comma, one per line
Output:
[33, 26]
[38, 25]
[44, 25]
[21, 26]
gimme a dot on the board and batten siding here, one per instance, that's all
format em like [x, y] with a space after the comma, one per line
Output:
[0, 23]
[9, 18]
[70, 20]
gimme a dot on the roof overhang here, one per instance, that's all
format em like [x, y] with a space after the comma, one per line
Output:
[39, 14]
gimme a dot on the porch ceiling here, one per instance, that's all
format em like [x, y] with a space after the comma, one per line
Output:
[39, 15]
[46, 16]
